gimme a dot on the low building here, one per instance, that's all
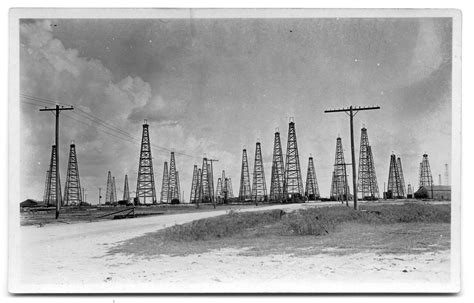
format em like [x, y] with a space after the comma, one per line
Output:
[436, 192]
[29, 203]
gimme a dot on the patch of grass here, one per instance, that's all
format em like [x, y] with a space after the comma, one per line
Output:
[384, 228]
[319, 221]
[222, 226]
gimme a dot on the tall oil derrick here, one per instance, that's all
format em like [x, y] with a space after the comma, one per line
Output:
[259, 186]
[210, 178]
[394, 188]
[73, 192]
[199, 185]
[46, 188]
[192, 198]
[165, 184]
[426, 179]
[277, 184]
[114, 190]
[219, 189]
[126, 191]
[173, 191]
[339, 185]
[312, 189]
[53, 174]
[109, 192]
[230, 192]
[146, 178]
[245, 191]
[374, 187]
[293, 179]
[364, 182]
[205, 188]
[402, 178]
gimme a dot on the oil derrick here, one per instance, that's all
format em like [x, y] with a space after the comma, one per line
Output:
[293, 180]
[173, 191]
[259, 186]
[126, 191]
[53, 174]
[374, 187]
[205, 195]
[400, 173]
[312, 189]
[72, 193]
[228, 188]
[146, 179]
[339, 186]
[426, 178]
[210, 178]
[277, 184]
[394, 189]
[165, 184]
[46, 188]
[367, 180]
[198, 188]
[219, 189]
[245, 191]
[364, 183]
[114, 190]
[192, 198]
[109, 192]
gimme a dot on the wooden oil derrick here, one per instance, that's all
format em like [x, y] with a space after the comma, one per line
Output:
[312, 189]
[73, 192]
[109, 192]
[229, 190]
[173, 190]
[126, 191]
[277, 184]
[146, 193]
[53, 192]
[426, 179]
[259, 186]
[165, 184]
[293, 179]
[114, 191]
[339, 185]
[367, 179]
[205, 194]
[394, 188]
[245, 190]
[194, 184]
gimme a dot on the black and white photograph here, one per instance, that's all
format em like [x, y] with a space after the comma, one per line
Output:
[234, 151]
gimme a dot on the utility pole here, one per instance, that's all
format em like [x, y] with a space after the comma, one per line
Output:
[57, 110]
[212, 181]
[352, 111]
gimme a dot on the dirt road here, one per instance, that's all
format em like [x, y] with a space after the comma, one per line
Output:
[72, 258]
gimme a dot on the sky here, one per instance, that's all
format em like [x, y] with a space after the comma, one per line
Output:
[210, 87]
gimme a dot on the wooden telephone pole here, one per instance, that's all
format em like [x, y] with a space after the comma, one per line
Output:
[352, 111]
[57, 110]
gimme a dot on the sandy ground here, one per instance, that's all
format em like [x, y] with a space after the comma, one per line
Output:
[72, 258]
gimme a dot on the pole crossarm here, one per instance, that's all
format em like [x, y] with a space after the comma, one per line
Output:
[356, 108]
[54, 109]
